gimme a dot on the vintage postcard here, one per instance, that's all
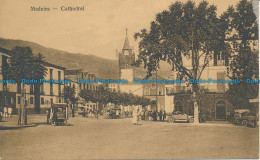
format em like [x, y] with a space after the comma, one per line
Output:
[129, 79]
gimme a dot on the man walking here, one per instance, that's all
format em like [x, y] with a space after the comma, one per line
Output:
[9, 111]
[5, 112]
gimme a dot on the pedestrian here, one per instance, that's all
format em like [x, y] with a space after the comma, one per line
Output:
[150, 116]
[154, 115]
[9, 111]
[146, 115]
[164, 115]
[5, 112]
[160, 115]
[134, 120]
[139, 115]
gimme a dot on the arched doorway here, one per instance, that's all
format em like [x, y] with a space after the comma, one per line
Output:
[178, 106]
[221, 110]
[153, 105]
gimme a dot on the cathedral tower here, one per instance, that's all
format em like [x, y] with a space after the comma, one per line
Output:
[126, 59]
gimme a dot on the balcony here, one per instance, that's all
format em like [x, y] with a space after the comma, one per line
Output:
[178, 89]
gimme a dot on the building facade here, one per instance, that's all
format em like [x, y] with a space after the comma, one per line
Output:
[155, 92]
[49, 92]
[7, 89]
[214, 102]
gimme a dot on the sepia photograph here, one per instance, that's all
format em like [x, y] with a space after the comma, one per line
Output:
[129, 79]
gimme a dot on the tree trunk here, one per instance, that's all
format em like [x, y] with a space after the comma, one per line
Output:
[37, 98]
[73, 111]
[22, 120]
[196, 113]
[195, 97]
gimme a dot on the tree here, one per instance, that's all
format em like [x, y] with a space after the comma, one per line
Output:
[185, 31]
[39, 71]
[69, 96]
[24, 65]
[105, 96]
[245, 60]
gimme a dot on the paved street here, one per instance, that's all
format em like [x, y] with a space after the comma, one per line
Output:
[85, 138]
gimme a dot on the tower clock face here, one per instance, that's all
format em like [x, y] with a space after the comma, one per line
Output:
[126, 52]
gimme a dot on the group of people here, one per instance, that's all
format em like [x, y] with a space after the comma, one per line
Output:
[154, 115]
[7, 112]
[148, 115]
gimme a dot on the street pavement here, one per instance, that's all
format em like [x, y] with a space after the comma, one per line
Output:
[85, 138]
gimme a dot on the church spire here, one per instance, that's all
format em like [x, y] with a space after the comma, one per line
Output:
[126, 44]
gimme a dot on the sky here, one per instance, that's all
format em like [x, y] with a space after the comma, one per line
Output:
[99, 30]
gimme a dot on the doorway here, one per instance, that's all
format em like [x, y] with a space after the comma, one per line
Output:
[178, 107]
[221, 110]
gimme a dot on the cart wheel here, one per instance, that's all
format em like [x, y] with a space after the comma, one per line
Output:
[191, 120]
[171, 120]
[244, 123]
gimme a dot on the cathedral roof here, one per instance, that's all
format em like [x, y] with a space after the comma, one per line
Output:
[126, 44]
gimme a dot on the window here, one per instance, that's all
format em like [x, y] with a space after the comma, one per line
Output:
[51, 76]
[51, 89]
[220, 59]
[51, 100]
[19, 88]
[146, 91]
[12, 100]
[59, 100]
[31, 88]
[42, 100]
[59, 75]
[19, 100]
[160, 91]
[31, 100]
[59, 88]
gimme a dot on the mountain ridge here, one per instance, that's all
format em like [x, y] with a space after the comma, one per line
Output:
[103, 68]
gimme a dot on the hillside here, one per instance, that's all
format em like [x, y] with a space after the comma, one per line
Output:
[103, 68]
